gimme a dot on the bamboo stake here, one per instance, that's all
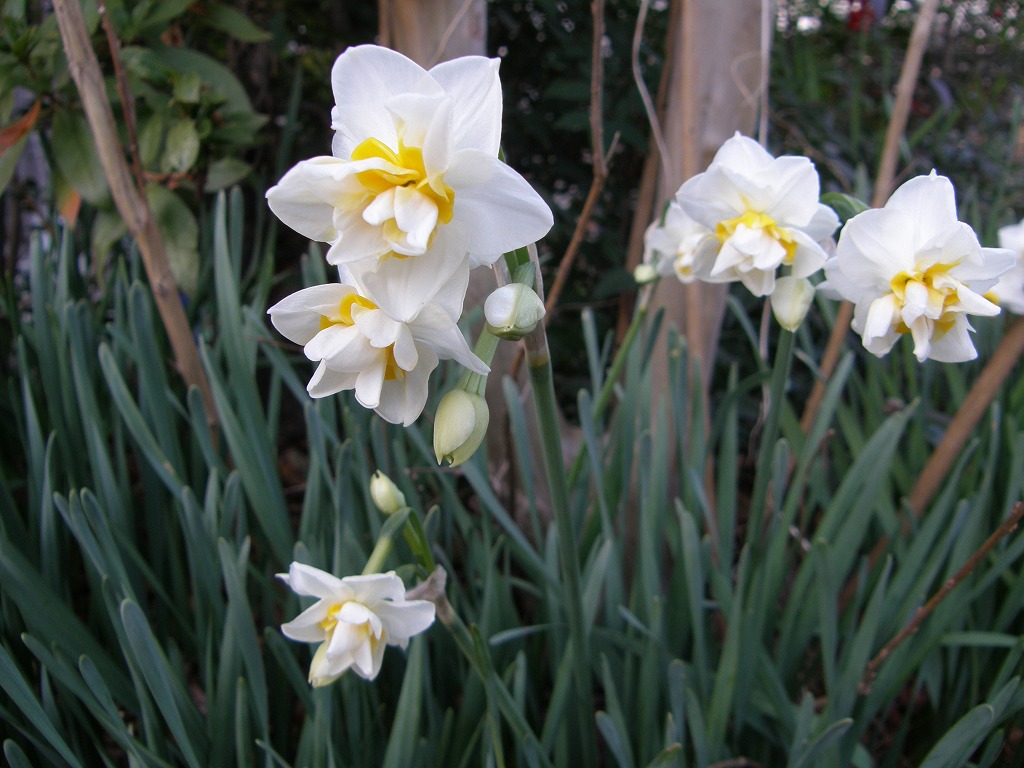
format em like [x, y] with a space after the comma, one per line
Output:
[883, 188]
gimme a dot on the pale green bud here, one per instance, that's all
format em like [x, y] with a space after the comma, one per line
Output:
[385, 494]
[791, 299]
[645, 273]
[459, 426]
[513, 311]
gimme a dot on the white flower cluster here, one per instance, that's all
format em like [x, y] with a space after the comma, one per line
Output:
[412, 197]
[354, 619]
[910, 268]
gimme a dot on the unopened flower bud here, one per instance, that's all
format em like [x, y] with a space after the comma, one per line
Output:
[791, 299]
[385, 494]
[459, 426]
[513, 311]
[645, 273]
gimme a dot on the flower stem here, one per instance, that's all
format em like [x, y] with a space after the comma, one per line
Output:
[475, 650]
[386, 541]
[762, 477]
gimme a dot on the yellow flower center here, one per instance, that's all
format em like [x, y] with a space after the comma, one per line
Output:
[412, 174]
[343, 316]
[754, 220]
[940, 297]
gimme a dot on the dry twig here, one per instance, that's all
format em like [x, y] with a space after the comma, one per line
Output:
[883, 187]
[1009, 525]
[131, 203]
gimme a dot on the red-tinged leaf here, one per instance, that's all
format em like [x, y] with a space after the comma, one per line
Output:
[10, 135]
[69, 204]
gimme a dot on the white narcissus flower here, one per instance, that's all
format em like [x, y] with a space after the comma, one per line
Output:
[354, 619]
[381, 336]
[671, 244]
[913, 268]
[762, 213]
[415, 166]
[1009, 291]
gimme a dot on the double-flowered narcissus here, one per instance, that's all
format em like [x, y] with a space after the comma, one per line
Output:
[760, 213]
[381, 336]
[415, 168]
[912, 268]
[353, 620]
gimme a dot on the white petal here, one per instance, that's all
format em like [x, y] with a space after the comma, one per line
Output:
[377, 326]
[306, 628]
[307, 580]
[928, 200]
[346, 638]
[880, 316]
[822, 225]
[369, 666]
[416, 215]
[369, 382]
[436, 329]
[382, 208]
[794, 190]
[360, 242]
[921, 331]
[711, 197]
[742, 153]
[362, 79]
[808, 257]
[473, 84]
[297, 316]
[404, 349]
[875, 246]
[499, 210]
[324, 670]
[971, 303]
[304, 198]
[405, 618]
[402, 400]
[953, 346]
[329, 382]
[343, 348]
[402, 287]
[984, 272]
[759, 282]
[371, 588]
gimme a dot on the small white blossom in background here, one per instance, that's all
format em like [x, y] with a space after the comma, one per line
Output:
[353, 620]
[760, 212]
[671, 245]
[415, 167]
[382, 343]
[1009, 291]
[912, 268]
